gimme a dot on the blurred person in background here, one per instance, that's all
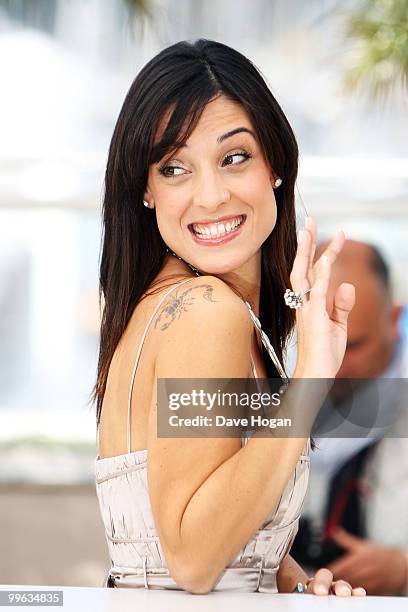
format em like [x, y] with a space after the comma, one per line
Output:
[355, 517]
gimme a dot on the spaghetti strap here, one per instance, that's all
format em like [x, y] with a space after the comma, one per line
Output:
[267, 344]
[253, 367]
[129, 424]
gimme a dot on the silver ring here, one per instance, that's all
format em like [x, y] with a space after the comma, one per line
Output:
[302, 587]
[294, 299]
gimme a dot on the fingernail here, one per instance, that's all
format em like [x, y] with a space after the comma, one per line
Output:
[320, 589]
[360, 592]
[325, 260]
[344, 590]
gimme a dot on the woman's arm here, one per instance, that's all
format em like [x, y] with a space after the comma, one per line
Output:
[210, 495]
[289, 574]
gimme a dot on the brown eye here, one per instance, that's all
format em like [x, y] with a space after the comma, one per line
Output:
[164, 171]
[231, 156]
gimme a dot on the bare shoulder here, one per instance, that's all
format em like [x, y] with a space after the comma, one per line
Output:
[200, 297]
[203, 329]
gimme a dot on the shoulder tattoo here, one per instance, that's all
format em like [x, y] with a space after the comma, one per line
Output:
[175, 304]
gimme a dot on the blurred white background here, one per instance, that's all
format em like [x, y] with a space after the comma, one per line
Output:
[65, 68]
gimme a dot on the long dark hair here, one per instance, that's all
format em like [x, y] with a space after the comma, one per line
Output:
[182, 79]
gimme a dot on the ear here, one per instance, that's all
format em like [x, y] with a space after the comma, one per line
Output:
[396, 316]
[148, 197]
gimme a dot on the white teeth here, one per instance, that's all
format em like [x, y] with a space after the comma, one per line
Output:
[216, 229]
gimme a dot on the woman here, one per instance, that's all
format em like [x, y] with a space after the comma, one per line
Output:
[199, 245]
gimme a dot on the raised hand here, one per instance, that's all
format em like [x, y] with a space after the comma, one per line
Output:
[321, 331]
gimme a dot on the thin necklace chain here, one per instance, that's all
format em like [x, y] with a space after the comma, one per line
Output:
[265, 340]
[196, 272]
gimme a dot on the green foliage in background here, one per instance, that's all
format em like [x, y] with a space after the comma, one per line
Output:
[141, 7]
[39, 442]
[380, 28]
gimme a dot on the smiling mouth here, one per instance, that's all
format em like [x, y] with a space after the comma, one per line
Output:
[220, 229]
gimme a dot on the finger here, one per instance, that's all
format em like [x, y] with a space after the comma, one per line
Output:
[333, 249]
[335, 245]
[344, 300]
[310, 225]
[339, 535]
[317, 588]
[341, 588]
[298, 276]
[319, 290]
[322, 581]
[358, 592]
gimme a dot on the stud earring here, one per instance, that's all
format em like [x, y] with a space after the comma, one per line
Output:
[146, 204]
[278, 182]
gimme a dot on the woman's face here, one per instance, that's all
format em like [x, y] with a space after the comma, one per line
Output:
[217, 173]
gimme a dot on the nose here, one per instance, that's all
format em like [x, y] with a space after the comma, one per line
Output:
[210, 191]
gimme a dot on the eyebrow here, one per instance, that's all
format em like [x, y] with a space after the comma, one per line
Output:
[237, 130]
[220, 139]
